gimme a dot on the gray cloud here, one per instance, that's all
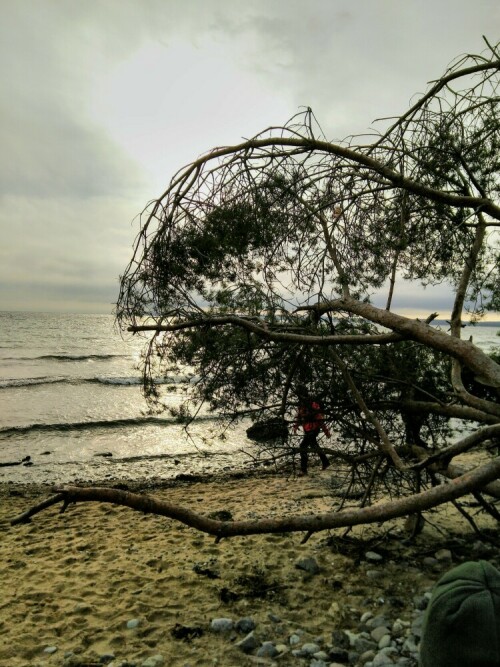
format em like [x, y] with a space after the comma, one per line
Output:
[50, 146]
[102, 101]
[355, 62]
[61, 297]
[52, 154]
[428, 299]
[52, 246]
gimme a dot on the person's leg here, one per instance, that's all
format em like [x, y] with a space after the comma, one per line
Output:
[325, 463]
[303, 454]
[318, 449]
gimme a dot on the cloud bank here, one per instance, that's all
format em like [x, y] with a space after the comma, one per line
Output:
[102, 101]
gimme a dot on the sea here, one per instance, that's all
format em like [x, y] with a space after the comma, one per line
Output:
[71, 400]
[72, 409]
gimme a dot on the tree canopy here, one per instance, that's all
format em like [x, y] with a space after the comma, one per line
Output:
[258, 265]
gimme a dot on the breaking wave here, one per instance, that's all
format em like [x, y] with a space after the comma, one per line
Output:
[13, 431]
[12, 383]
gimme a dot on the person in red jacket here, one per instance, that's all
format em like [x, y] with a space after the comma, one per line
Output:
[310, 417]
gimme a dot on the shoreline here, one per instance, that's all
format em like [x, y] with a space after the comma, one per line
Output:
[145, 484]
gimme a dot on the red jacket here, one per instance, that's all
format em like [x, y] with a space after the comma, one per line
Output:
[311, 419]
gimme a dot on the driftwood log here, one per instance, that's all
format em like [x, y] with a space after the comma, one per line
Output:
[468, 482]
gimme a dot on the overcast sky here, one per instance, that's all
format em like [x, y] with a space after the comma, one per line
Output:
[103, 100]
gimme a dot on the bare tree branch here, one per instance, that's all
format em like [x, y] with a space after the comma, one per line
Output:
[262, 330]
[384, 444]
[470, 355]
[466, 483]
[461, 446]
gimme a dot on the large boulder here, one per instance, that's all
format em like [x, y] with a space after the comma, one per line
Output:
[268, 429]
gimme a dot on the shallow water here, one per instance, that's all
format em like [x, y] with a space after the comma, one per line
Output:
[70, 398]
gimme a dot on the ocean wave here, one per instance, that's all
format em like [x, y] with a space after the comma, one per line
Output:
[69, 357]
[11, 431]
[81, 357]
[135, 380]
[131, 381]
[117, 381]
[10, 383]
[14, 431]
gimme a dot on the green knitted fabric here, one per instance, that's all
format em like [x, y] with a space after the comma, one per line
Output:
[462, 622]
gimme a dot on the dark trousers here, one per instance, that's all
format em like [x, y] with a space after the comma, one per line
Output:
[310, 442]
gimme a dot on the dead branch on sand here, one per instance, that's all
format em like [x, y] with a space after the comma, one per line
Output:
[468, 482]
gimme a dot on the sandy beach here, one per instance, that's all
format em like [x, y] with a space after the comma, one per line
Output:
[100, 581]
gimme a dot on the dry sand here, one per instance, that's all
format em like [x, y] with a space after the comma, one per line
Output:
[72, 581]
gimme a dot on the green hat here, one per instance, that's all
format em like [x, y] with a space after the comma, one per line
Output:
[462, 622]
